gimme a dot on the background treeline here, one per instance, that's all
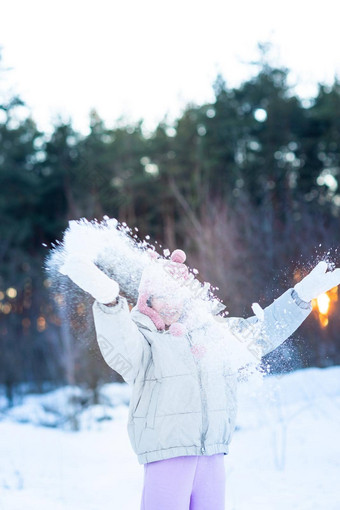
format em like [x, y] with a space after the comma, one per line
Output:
[247, 185]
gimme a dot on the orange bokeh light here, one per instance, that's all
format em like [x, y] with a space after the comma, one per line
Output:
[322, 305]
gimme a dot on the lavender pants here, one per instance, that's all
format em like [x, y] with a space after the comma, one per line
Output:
[185, 483]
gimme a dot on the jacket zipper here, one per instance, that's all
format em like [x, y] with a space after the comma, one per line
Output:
[203, 400]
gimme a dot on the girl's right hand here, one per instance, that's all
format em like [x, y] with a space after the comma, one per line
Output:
[88, 277]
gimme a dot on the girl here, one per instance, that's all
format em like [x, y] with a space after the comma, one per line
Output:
[183, 405]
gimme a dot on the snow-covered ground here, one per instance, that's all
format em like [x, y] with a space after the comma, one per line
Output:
[285, 453]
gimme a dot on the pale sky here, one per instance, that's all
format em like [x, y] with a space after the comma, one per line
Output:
[148, 58]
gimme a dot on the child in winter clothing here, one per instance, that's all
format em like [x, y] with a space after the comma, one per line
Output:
[183, 407]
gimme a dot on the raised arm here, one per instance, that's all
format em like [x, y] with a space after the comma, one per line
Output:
[278, 322]
[271, 326]
[122, 345]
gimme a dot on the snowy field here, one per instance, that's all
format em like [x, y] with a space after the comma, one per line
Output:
[285, 453]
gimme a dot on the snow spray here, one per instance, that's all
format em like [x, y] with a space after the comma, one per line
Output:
[117, 250]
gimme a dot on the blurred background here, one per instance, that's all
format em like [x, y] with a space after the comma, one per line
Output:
[211, 128]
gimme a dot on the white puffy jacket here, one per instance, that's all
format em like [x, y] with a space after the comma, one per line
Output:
[181, 405]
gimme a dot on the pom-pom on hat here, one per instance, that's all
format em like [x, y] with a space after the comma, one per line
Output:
[166, 279]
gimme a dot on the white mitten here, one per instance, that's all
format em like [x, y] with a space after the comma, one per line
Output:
[88, 277]
[317, 282]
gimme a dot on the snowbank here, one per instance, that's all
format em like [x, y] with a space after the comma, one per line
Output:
[285, 453]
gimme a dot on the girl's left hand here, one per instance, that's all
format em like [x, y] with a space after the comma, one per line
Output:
[317, 282]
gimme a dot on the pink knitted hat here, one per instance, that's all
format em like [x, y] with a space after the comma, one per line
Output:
[164, 278]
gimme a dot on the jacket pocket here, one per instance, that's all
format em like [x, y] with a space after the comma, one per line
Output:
[151, 414]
